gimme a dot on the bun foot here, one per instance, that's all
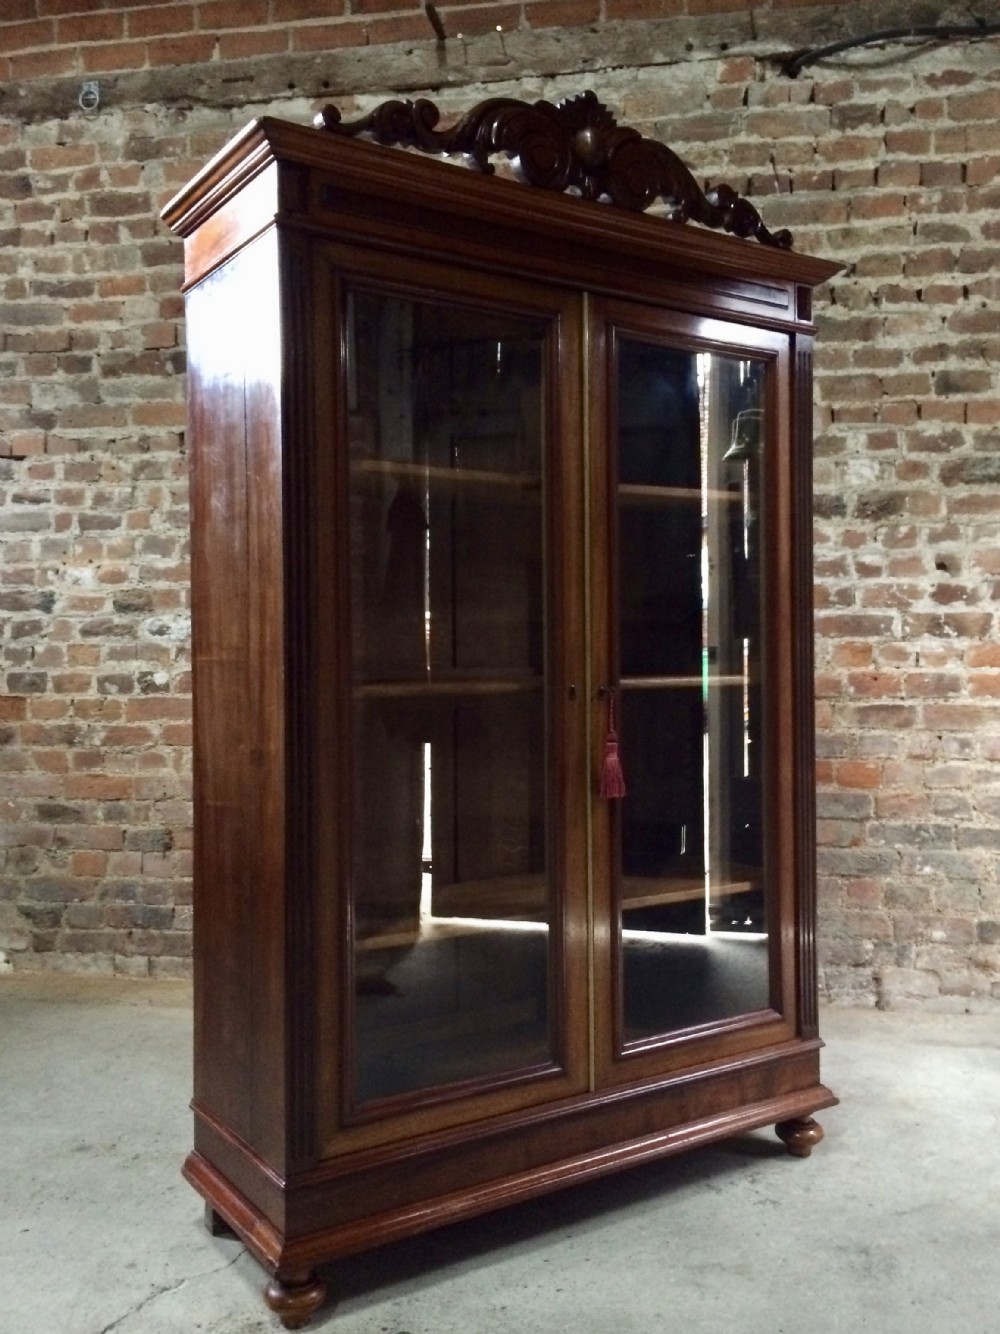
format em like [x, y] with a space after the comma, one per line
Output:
[294, 1297]
[800, 1135]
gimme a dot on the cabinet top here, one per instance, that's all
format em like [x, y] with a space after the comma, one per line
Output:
[592, 181]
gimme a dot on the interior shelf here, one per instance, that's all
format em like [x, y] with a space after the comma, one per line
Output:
[657, 891]
[445, 687]
[523, 897]
[641, 493]
[680, 682]
[436, 473]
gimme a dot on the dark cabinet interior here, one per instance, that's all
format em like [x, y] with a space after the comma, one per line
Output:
[500, 544]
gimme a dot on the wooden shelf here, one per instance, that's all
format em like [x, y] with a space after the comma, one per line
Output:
[443, 687]
[642, 493]
[660, 891]
[524, 898]
[678, 682]
[434, 473]
[518, 898]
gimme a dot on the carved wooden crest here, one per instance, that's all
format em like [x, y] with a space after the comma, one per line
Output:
[575, 145]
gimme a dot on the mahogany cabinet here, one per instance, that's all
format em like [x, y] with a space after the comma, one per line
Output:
[502, 647]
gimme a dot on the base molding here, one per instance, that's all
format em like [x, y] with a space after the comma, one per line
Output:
[280, 1253]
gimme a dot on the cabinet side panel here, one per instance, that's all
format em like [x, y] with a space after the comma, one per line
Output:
[236, 602]
[805, 733]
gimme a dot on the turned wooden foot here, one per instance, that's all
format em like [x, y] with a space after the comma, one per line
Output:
[294, 1297]
[800, 1135]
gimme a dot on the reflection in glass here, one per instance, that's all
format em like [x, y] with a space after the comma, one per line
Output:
[693, 927]
[450, 891]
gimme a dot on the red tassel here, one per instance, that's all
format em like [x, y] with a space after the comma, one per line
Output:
[612, 785]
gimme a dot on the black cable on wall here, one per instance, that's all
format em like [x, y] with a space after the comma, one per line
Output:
[944, 32]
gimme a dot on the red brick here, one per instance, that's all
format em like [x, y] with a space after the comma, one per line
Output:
[57, 8]
[28, 36]
[326, 36]
[214, 14]
[932, 685]
[562, 13]
[982, 138]
[941, 173]
[240, 45]
[857, 774]
[473, 21]
[154, 22]
[71, 683]
[983, 655]
[89, 863]
[118, 56]
[737, 69]
[874, 685]
[157, 707]
[910, 142]
[99, 787]
[847, 654]
[122, 284]
[285, 12]
[975, 106]
[190, 50]
[61, 157]
[639, 9]
[49, 63]
[898, 174]
[159, 414]
[959, 717]
[100, 27]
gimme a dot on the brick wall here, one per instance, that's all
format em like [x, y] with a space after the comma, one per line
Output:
[50, 38]
[888, 160]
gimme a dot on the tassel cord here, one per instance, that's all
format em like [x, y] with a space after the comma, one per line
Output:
[612, 785]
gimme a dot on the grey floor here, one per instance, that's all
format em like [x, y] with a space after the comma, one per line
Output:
[893, 1225]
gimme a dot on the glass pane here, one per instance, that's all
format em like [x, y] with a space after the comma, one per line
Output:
[450, 863]
[690, 434]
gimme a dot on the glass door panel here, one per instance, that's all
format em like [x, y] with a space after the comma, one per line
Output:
[689, 431]
[451, 846]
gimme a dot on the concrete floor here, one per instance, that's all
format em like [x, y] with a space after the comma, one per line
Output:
[892, 1226]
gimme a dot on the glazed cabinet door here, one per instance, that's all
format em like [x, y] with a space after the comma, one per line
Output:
[693, 665]
[456, 889]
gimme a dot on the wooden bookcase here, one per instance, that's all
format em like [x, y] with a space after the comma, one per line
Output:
[503, 673]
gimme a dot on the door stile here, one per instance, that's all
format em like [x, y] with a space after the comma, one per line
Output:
[566, 579]
[594, 921]
[605, 1000]
[786, 703]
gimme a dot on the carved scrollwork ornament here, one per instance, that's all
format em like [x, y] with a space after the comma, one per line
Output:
[573, 146]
